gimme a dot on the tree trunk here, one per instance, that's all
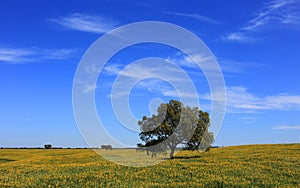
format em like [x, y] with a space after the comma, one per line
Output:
[172, 153]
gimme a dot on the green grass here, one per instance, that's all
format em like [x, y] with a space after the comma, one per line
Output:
[238, 166]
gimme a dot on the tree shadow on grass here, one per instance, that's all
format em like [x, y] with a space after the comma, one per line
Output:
[3, 160]
[185, 157]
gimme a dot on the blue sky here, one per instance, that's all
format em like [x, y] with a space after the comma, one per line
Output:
[255, 42]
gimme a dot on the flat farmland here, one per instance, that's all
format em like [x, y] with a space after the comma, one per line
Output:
[235, 166]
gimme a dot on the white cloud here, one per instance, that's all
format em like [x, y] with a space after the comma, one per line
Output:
[24, 55]
[156, 79]
[15, 55]
[278, 11]
[143, 70]
[188, 63]
[286, 127]
[194, 16]
[227, 66]
[113, 69]
[160, 87]
[239, 100]
[88, 89]
[55, 53]
[275, 12]
[171, 75]
[206, 62]
[86, 23]
[235, 36]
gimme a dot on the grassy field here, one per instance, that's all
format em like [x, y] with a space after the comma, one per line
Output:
[238, 166]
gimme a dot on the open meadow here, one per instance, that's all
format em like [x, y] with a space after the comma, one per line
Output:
[254, 165]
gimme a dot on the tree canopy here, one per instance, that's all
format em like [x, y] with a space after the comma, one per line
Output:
[173, 125]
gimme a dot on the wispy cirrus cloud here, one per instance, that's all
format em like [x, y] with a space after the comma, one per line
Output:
[188, 63]
[228, 67]
[86, 23]
[25, 55]
[11, 55]
[191, 60]
[114, 69]
[240, 100]
[275, 12]
[193, 16]
[88, 89]
[286, 127]
[236, 36]
[143, 70]
[157, 78]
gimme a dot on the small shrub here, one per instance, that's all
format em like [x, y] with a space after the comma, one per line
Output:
[48, 146]
[106, 147]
